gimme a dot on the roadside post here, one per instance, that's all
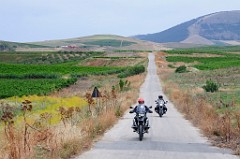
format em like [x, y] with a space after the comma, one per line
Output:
[96, 94]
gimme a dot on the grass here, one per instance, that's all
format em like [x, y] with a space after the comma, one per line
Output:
[44, 104]
[208, 63]
[117, 57]
[206, 110]
[210, 49]
[109, 42]
[226, 60]
[51, 138]
[59, 127]
[132, 50]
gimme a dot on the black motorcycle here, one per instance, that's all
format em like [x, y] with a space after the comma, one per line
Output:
[160, 107]
[141, 122]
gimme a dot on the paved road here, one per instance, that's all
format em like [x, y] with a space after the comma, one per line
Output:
[170, 137]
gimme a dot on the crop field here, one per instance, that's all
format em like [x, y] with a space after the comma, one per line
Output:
[109, 42]
[207, 50]
[18, 57]
[21, 70]
[45, 57]
[224, 70]
[133, 51]
[21, 87]
[27, 73]
[226, 60]
[20, 79]
[40, 73]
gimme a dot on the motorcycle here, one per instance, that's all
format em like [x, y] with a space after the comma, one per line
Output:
[141, 122]
[160, 107]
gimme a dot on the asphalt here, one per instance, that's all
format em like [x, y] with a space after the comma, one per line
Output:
[170, 137]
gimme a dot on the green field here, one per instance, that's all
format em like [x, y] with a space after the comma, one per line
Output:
[28, 73]
[109, 42]
[46, 57]
[210, 49]
[20, 79]
[223, 70]
[229, 57]
[21, 70]
[21, 87]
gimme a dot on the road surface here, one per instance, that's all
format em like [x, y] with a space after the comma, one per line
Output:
[170, 137]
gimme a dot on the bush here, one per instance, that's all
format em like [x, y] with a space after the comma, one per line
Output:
[132, 71]
[210, 86]
[121, 84]
[181, 69]
[170, 66]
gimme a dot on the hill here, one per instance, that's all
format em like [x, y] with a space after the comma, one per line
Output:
[101, 42]
[221, 28]
[12, 46]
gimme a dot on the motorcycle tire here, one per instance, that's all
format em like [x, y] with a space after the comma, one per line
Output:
[140, 132]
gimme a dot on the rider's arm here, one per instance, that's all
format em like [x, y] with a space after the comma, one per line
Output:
[147, 109]
[135, 109]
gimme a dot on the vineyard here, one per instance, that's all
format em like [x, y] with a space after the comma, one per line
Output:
[20, 79]
[46, 57]
[224, 70]
[38, 73]
[230, 57]
[21, 87]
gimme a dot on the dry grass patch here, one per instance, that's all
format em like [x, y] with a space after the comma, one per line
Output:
[220, 124]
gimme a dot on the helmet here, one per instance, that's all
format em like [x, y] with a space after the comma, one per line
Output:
[160, 97]
[140, 100]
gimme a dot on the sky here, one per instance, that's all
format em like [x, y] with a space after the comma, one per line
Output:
[39, 20]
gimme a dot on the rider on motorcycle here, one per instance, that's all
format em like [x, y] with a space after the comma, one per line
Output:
[141, 107]
[160, 98]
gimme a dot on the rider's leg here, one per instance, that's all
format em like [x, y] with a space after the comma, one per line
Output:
[134, 126]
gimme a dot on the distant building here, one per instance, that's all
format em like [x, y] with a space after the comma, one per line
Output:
[69, 47]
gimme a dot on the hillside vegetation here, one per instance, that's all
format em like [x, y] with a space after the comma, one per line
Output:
[40, 73]
[12, 46]
[46, 104]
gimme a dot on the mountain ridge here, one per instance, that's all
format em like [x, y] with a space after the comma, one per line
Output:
[210, 29]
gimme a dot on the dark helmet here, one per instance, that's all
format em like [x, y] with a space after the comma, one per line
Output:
[140, 100]
[160, 97]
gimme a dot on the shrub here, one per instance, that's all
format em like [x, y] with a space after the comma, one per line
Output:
[121, 84]
[170, 66]
[181, 69]
[210, 86]
[132, 71]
